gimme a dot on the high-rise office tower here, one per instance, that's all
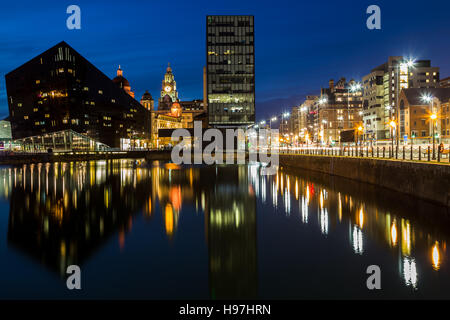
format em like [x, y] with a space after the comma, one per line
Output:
[230, 59]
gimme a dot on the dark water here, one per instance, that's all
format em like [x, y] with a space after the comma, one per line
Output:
[160, 231]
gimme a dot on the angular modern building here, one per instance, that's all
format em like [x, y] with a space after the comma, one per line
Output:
[61, 92]
[230, 60]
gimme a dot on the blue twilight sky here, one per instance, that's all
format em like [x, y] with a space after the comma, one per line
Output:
[300, 45]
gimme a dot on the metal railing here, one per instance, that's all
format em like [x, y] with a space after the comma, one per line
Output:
[406, 153]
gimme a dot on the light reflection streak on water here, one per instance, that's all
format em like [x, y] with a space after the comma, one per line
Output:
[363, 215]
[398, 233]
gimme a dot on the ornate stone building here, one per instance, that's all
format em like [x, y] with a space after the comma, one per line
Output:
[169, 93]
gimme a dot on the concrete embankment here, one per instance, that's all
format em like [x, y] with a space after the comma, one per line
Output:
[427, 181]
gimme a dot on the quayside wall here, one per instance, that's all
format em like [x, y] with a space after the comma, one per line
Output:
[429, 181]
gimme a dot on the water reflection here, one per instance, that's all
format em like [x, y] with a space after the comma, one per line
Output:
[407, 226]
[62, 214]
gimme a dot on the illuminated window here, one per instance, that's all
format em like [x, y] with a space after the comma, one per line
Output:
[38, 81]
[85, 89]
[25, 117]
[47, 115]
[100, 92]
[35, 109]
[19, 104]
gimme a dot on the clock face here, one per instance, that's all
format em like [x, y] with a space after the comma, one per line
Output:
[168, 88]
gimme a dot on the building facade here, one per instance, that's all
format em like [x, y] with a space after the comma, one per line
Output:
[381, 92]
[445, 83]
[230, 58]
[60, 90]
[169, 93]
[338, 109]
[418, 120]
[163, 120]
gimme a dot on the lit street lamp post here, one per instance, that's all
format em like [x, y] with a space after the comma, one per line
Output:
[433, 118]
[428, 98]
[392, 125]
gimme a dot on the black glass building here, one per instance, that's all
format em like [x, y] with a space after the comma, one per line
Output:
[60, 90]
[230, 57]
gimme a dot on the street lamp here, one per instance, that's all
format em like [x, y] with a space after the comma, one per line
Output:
[433, 118]
[271, 120]
[360, 131]
[429, 98]
[393, 125]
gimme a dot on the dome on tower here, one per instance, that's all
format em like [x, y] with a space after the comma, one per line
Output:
[120, 80]
[147, 96]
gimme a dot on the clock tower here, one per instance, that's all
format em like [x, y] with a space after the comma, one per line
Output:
[169, 93]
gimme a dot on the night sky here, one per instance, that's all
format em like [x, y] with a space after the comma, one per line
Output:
[300, 45]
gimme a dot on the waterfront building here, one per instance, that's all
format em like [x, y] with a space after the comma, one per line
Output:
[147, 101]
[170, 96]
[122, 82]
[230, 59]
[299, 118]
[61, 91]
[169, 93]
[5, 135]
[418, 114]
[381, 88]
[163, 120]
[338, 109]
[445, 83]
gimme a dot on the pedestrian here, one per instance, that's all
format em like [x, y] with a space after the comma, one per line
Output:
[441, 148]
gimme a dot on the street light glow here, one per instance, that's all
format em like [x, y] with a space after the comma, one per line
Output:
[323, 101]
[355, 87]
[427, 98]
[433, 116]
[392, 124]
[273, 119]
